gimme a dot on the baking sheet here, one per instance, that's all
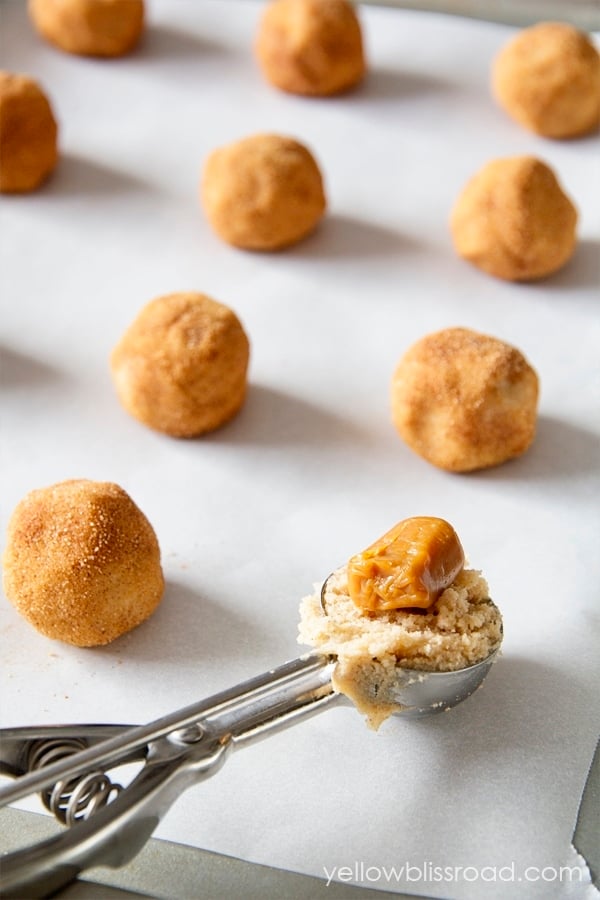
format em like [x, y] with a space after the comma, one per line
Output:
[311, 470]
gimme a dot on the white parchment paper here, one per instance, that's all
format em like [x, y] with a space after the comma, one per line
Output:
[477, 803]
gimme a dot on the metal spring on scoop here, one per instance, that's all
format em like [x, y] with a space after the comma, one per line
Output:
[71, 798]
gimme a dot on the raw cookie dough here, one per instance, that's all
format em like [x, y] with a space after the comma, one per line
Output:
[181, 366]
[82, 562]
[547, 78]
[264, 192]
[464, 401]
[28, 134]
[514, 221]
[462, 627]
[311, 47]
[89, 27]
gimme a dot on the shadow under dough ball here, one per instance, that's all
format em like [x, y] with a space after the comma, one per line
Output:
[28, 135]
[311, 47]
[180, 368]
[264, 192]
[82, 562]
[464, 400]
[547, 78]
[514, 221]
[105, 28]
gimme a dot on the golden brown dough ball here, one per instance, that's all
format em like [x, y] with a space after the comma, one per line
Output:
[180, 368]
[464, 401]
[82, 562]
[548, 79]
[311, 47]
[28, 134]
[264, 192]
[89, 27]
[514, 221]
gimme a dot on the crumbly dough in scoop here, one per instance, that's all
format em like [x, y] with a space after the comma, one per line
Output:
[461, 628]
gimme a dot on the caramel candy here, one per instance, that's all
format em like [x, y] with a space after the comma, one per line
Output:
[408, 567]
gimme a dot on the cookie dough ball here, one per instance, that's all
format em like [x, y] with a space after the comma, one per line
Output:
[464, 401]
[264, 192]
[548, 79]
[89, 27]
[82, 562]
[311, 47]
[180, 368]
[514, 221]
[28, 134]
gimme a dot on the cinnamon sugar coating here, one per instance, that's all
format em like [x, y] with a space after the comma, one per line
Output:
[464, 400]
[105, 28]
[28, 134]
[514, 221]
[311, 47]
[82, 562]
[181, 366]
[547, 78]
[264, 192]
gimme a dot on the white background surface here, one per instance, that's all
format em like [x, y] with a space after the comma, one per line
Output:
[311, 470]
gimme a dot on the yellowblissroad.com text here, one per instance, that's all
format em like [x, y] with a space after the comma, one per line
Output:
[428, 873]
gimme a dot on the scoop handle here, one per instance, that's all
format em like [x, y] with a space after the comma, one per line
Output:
[178, 751]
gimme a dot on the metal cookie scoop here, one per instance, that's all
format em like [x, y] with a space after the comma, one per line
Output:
[68, 763]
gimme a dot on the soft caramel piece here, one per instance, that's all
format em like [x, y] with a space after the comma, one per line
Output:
[408, 567]
[547, 78]
[311, 47]
[28, 134]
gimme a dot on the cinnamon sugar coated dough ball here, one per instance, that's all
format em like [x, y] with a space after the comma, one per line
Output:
[464, 401]
[181, 366]
[28, 134]
[514, 221]
[264, 192]
[311, 47]
[89, 27]
[82, 562]
[547, 78]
